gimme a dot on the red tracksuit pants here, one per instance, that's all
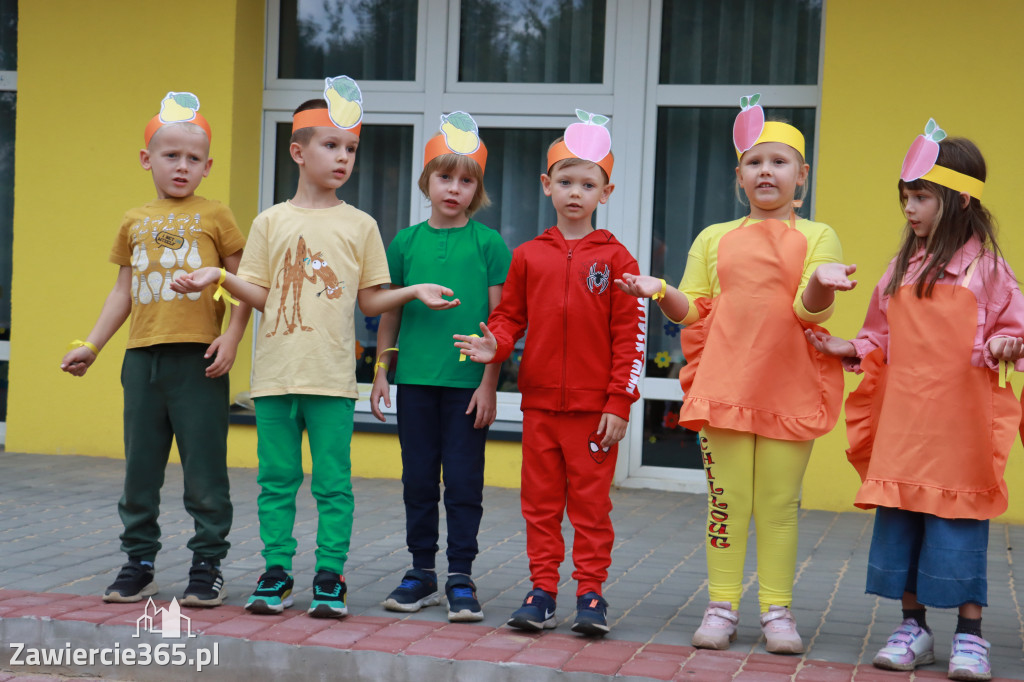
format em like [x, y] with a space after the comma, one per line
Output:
[564, 469]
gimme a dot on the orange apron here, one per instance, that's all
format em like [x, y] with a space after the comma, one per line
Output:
[930, 432]
[749, 367]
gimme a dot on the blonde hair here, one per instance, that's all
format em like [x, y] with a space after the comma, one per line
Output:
[450, 163]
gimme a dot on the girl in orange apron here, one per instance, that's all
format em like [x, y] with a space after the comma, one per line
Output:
[945, 320]
[753, 387]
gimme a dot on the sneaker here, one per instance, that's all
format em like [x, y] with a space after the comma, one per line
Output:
[134, 581]
[328, 595]
[717, 628]
[969, 658]
[273, 592]
[205, 585]
[909, 646]
[779, 629]
[537, 612]
[418, 589]
[591, 615]
[462, 602]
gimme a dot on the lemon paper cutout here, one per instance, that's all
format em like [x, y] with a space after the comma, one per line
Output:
[178, 106]
[460, 132]
[344, 101]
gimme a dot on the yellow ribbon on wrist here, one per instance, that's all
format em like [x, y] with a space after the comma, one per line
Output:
[462, 358]
[221, 291]
[381, 364]
[78, 343]
[661, 294]
[1005, 371]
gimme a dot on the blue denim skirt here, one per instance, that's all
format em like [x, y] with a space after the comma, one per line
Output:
[942, 561]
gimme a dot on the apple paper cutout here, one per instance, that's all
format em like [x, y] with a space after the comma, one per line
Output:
[589, 139]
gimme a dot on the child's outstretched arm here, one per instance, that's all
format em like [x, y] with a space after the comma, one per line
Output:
[828, 278]
[673, 303]
[485, 397]
[225, 346]
[387, 335]
[375, 300]
[481, 348]
[830, 345]
[115, 311]
[197, 280]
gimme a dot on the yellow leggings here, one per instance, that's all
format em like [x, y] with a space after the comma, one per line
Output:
[752, 475]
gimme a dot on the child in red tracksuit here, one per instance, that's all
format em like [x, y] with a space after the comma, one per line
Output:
[578, 376]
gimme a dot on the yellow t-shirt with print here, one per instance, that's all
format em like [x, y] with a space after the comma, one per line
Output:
[313, 261]
[161, 240]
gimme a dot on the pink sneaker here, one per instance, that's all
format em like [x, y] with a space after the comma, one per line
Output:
[779, 629]
[909, 646]
[969, 658]
[718, 628]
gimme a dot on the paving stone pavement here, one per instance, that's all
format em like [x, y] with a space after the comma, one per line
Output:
[59, 549]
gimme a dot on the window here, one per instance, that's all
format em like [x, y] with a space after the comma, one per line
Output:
[8, 105]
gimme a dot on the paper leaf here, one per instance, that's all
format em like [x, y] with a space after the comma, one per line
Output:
[599, 119]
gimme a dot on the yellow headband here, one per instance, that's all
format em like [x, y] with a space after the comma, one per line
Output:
[751, 129]
[919, 164]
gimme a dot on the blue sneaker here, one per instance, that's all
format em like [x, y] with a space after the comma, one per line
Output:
[328, 595]
[591, 615]
[418, 589]
[463, 606]
[273, 593]
[537, 612]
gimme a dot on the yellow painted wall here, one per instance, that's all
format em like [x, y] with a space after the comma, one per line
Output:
[888, 67]
[90, 76]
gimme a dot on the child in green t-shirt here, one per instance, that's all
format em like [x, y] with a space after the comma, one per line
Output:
[444, 403]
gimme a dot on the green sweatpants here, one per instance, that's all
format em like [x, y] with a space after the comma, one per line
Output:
[280, 421]
[167, 395]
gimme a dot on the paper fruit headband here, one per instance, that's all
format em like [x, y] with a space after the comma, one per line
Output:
[588, 140]
[919, 164]
[459, 135]
[751, 129]
[344, 108]
[177, 107]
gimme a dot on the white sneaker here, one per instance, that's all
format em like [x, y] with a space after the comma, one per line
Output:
[718, 627]
[779, 629]
[909, 646]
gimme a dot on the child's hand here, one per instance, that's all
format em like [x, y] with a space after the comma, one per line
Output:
[639, 286]
[835, 276]
[485, 402]
[830, 345]
[77, 361]
[1006, 348]
[433, 295]
[381, 389]
[478, 348]
[613, 426]
[225, 350]
[197, 280]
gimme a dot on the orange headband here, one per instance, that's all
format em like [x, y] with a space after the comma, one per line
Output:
[559, 152]
[319, 118]
[438, 145]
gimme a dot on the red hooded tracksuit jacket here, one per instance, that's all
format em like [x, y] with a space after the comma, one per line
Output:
[583, 356]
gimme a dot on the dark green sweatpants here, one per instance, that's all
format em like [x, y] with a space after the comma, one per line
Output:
[167, 395]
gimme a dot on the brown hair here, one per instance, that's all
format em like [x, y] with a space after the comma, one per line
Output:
[567, 163]
[451, 163]
[955, 224]
[302, 136]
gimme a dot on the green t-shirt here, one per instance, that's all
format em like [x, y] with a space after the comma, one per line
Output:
[467, 260]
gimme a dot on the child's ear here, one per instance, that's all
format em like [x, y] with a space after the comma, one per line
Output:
[606, 192]
[144, 159]
[545, 183]
[965, 199]
[801, 178]
[296, 150]
[206, 169]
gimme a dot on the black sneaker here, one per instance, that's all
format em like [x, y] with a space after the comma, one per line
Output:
[462, 602]
[537, 612]
[328, 595]
[133, 582]
[591, 615]
[273, 593]
[418, 589]
[205, 585]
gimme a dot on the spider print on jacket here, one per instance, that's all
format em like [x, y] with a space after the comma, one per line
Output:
[599, 276]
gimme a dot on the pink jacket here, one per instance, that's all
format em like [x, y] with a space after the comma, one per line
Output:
[1000, 305]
